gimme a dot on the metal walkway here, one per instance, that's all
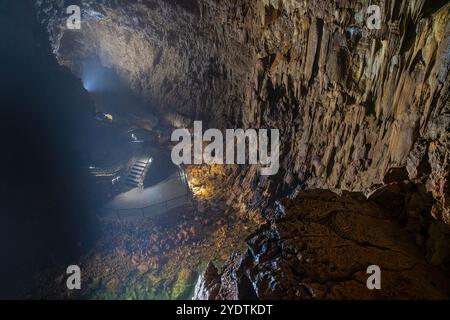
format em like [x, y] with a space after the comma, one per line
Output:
[141, 203]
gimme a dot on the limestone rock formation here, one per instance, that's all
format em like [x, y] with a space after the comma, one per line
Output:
[358, 110]
[320, 248]
[351, 103]
[185, 57]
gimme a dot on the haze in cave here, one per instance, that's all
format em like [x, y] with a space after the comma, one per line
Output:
[360, 111]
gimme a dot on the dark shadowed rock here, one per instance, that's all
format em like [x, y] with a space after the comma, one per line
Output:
[321, 250]
[208, 284]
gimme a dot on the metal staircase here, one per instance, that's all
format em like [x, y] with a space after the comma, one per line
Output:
[137, 173]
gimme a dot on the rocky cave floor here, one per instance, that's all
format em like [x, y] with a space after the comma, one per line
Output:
[316, 246]
[158, 258]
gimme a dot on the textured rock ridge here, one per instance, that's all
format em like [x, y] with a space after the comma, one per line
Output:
[186, 58]
[319, 247]
[357, 102]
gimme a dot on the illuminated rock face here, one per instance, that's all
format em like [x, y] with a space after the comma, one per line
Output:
[351, 102]
[357, 109]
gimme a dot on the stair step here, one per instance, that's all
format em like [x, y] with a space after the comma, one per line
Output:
[136, 175]
[134, 183]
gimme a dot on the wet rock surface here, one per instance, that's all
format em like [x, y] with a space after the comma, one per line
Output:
[320, 248]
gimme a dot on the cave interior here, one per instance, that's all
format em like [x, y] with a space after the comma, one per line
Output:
[88, 116]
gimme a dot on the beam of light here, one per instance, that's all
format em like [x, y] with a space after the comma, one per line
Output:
[88, 84]
[94, 75]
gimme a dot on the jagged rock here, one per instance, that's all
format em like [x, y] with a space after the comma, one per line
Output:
[354, 106]
[438, 245]
[351, 103]
[321, 250]
[207, 285]
[396, 175]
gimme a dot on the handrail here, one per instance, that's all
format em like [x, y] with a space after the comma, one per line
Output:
[112, 170]
[151, 205]
[121, 213]
[164, 204]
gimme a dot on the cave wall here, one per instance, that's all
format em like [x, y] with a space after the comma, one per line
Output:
[351, 103]
[179, 55]
[359, 101]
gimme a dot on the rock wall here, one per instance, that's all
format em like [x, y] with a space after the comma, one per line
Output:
[319, 246]
[187, 58]
[358, 110]
[351, 103]
[356, 102]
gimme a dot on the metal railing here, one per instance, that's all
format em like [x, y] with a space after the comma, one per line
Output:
[106, 171]
[150, 210]
[155, 208]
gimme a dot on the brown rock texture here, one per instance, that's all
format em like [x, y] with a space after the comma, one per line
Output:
[351, 103]
[358, 110]
[186, 58]
[319, 246]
